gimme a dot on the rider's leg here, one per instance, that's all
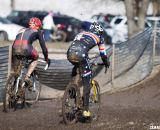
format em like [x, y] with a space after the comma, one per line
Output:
[86, 91]
[32, 66]
[34, 56]
[86, 79]
[15, 65]
[74, 71]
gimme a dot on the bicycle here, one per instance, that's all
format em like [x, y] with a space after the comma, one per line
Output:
[17, 90]
[72, 101]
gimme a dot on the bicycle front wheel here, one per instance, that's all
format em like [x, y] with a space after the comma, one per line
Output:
[94, 100]
[33, 93]
[69, 104]
[9, 94]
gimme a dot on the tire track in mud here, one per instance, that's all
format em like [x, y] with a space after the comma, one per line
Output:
[137, 108]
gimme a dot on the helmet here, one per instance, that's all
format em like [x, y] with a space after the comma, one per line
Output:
[96, 28]
[36, 22]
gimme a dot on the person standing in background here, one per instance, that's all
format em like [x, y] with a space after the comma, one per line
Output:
[48, 26]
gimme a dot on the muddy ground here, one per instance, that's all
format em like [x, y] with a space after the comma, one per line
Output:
[135, 109]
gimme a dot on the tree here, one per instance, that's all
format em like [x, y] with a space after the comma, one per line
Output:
[12, 5]
[156, 7]
[136, 8]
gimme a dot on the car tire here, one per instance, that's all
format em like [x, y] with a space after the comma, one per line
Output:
[3, 36]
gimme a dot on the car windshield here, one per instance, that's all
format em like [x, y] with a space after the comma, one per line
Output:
[4, 21]
[66, 20]
[118, 21]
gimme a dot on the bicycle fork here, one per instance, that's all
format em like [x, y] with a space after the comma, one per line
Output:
[17, 83]
[94, 90]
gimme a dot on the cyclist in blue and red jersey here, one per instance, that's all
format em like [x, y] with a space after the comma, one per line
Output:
[23, 45]
[77, 54]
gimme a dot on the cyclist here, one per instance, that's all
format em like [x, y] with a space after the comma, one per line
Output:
[23, 46]
[77, 54]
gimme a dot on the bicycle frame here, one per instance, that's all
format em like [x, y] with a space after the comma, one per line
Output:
[20, 72]
[77, 80]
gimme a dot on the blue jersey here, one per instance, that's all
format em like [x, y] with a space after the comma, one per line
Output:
[88, 40]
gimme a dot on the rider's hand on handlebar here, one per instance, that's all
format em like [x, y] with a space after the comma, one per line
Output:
[107, 63]
[48, 61]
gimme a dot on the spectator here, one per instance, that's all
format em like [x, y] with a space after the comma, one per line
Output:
[48, 26]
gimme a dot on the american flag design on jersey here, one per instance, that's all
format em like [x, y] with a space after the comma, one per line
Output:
[102, 50]
[92, 35]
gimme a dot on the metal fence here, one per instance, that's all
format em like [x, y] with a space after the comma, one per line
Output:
[157, 46]
[4, 58]
[57, 75]
[131, 62]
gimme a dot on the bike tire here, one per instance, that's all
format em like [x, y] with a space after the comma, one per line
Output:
[95, 100]
[33, 94]
[9, 97]
[69, 104]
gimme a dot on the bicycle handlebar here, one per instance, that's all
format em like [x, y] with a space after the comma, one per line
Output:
[94, 64]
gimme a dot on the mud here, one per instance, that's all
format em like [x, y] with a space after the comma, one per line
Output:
[135, 109]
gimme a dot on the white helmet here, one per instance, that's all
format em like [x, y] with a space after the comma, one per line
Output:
[96, 28]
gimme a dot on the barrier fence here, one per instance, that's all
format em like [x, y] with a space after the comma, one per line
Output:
[131, 61]
[4, 58]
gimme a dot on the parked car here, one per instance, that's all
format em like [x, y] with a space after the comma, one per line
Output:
[22, 17]
[70, 25]
[102, 17]
[153, 20]
[8, 30]
[119, 24]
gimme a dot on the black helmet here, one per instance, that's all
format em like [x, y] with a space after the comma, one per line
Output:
[96, 28]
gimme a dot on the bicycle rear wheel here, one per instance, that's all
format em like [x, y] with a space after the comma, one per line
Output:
[9, 94]
[94, 100]
[69, 104]
[33, 93]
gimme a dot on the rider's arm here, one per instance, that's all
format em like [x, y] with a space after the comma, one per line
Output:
[102, 48]
[103, 54]
[43, 46]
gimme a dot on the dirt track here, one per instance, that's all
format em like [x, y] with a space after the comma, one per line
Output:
[134, 109]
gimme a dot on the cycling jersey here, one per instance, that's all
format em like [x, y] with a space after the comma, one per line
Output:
[88, 40]
[25, 39]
